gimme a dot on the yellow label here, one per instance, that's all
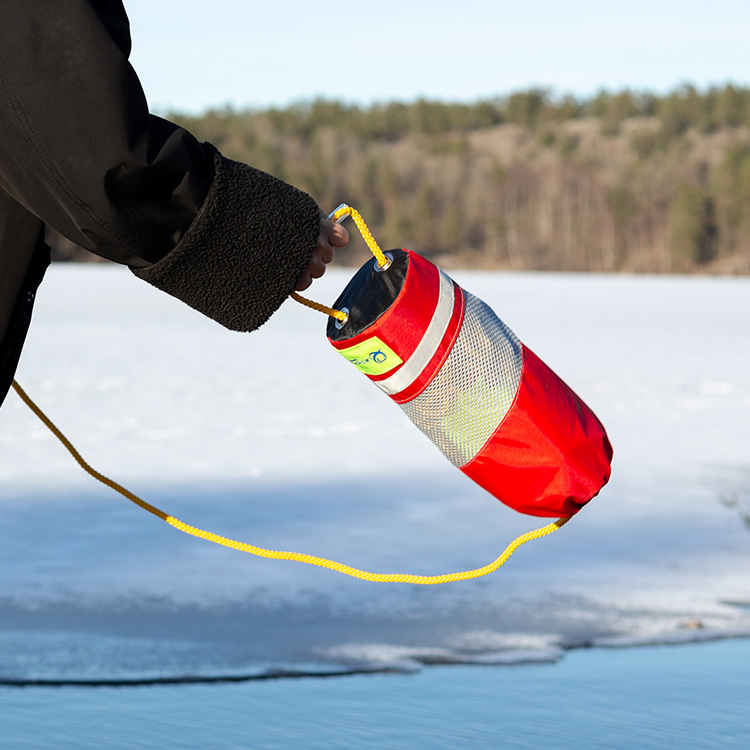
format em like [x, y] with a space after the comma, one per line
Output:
[372, 357]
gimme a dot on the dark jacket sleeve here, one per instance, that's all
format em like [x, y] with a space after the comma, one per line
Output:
[246, 249]
[80, 151]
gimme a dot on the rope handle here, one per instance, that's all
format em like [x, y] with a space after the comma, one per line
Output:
[275, 554]
[382, 259]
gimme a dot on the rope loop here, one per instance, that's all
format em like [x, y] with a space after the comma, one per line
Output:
[279, 555]
[342, 212]
[380, 257]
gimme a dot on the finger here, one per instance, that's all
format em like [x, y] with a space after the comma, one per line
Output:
[324, 249]
[325, 253]
[316, 268]
[303, 283]
[336, 234]
[339, 236]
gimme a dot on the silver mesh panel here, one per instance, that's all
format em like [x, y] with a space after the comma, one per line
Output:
[474, 389]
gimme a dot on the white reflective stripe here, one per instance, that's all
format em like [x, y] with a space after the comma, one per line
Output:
[429, 344]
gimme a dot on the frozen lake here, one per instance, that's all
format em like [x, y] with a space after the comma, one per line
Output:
[273, 439]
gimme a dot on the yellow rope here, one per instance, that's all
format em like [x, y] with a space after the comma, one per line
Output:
[277, 555]
[345, 210]
[338, 314]
[341, 212]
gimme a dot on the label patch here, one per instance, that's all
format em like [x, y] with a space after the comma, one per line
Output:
[372, 357]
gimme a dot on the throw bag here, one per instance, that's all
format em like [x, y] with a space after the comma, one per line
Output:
[493, 408]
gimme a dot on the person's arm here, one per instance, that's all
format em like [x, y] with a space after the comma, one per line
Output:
[80, 150]
[247, 249]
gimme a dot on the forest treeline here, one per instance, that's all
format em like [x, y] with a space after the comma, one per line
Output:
[622, 181]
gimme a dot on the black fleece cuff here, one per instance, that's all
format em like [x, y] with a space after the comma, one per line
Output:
[245, 251]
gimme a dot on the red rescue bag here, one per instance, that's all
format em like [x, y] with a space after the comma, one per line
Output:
[461, 375]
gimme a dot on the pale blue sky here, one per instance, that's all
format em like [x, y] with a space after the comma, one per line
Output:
[191, 55]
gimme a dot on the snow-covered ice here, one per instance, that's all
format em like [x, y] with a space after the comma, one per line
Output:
[274, 439]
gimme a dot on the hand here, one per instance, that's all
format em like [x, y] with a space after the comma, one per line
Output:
[332, 235]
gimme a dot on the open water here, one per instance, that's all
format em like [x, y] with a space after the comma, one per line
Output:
[690, 696]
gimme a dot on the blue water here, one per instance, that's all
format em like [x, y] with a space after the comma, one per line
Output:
[694, 696]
